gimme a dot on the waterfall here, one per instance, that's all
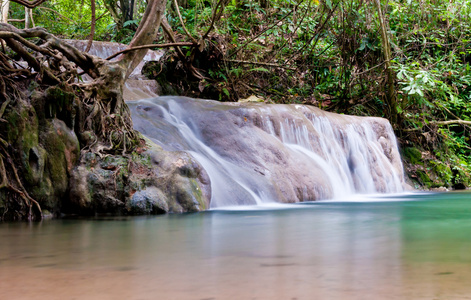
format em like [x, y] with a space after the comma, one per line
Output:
[256, 153]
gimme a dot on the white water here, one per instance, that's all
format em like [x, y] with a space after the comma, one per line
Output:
[256, 154]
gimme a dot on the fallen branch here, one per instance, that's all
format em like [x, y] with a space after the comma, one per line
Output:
[461, 122]
[171, 36]
[449, 122]
[150, 47]
[259, 64]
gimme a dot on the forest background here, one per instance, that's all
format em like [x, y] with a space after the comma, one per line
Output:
[407, 61]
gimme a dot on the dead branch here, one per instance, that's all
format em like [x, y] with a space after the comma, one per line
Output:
[259, 64]
[450, 122]
[168, 30]
[151, 46]
[171, 36]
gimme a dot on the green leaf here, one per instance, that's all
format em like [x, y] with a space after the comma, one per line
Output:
[329, 4]
[127, 23]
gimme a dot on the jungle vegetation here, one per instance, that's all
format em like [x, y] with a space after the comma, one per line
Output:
[407, 61]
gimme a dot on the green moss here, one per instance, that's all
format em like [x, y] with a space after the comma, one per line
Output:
[443, 173]
[60, 104]
[413, 155]
[13, 130]
[143, 159]
[197, 193]
[114, 162]
[424, 178]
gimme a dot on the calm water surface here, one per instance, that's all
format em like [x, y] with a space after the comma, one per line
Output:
[407, 247]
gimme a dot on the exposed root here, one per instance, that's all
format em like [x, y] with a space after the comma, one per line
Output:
[16, 186]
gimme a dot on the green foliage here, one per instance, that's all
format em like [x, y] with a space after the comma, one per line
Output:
[72, 19]
[325, 53]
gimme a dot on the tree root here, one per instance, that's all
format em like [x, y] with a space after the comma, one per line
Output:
[19, 188]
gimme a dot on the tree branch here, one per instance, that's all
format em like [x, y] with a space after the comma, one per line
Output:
[183, 23]
[150, 47]
[259, 64]
[449, 122]
[29, 4]
[213, 19]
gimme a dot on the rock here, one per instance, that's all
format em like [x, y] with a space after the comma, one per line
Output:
[153, 182]
[149, 201]
[62, 148]
[44, 148]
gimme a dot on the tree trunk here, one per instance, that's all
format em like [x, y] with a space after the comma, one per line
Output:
[390, 90]
[146, 33]
[29, 18]
[5, 7]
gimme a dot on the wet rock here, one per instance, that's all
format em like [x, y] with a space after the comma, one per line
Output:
[153, 182]
[149, 201]
[44, 150]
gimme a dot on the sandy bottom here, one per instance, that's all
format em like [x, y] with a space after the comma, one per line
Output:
[252, 279]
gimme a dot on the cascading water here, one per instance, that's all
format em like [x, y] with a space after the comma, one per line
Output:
[255, 153]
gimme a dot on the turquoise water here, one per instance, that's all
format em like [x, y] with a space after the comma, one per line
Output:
[405, 247]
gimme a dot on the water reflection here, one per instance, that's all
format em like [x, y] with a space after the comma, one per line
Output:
[349, 250]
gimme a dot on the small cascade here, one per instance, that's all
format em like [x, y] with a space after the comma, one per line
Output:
[256, 153]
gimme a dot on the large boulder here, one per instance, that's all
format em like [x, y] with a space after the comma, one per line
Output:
[44, 149]
[152, 182]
